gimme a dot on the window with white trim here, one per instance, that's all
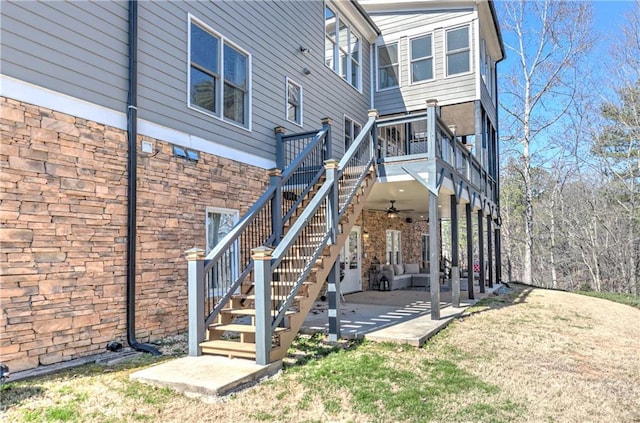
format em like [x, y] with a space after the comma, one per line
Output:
[425, 251]
[421, 58]
[388, 66]
[394, 247]
[351, 131]
[342, 48]
[219, 75]
[458, 51]
[219, 222]
[294, 102]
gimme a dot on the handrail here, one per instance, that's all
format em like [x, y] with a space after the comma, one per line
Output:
[311, 232]
[230, 238]
[229, 263]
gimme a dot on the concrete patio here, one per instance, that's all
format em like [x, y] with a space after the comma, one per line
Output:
[402, 316]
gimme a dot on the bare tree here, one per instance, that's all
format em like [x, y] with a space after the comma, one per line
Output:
[549, 39]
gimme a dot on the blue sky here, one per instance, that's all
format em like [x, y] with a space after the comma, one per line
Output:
[608, 15]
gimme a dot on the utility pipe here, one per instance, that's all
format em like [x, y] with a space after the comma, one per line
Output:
[132, 135]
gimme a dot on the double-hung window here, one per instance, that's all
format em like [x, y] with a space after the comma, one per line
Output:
[458, 51]
[294, 102]
[219, 76]
[421, 58]
[394, 247]
[388, 66]
[342, 48]
[351, 131]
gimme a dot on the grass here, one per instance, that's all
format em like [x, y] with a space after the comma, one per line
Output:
[628, 299]
[524, 356]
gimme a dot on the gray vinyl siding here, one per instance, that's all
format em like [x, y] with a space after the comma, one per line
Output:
[447, 90]
[80, 49]
[264, 30]
[76, 48]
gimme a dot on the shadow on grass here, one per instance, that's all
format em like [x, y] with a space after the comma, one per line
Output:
[509, 295]
[306, 348]
[12, 394]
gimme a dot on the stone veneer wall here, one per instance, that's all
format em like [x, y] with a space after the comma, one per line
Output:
[63, 229]
[374, 244]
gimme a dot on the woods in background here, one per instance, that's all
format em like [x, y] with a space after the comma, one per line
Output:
[570, 177]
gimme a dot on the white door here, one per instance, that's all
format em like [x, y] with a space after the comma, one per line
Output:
[350, 258]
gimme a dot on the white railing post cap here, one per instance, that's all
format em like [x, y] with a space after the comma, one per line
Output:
[261, 253]
[195, 254]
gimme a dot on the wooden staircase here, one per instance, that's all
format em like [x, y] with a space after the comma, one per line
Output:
[233, 333]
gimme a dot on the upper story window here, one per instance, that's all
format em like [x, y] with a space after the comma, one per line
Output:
[294, 102]
[458, 51]
[421, 58]
[342, 48]
[219, 76]
[388, 66]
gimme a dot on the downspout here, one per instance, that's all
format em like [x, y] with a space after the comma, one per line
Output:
[132, 136]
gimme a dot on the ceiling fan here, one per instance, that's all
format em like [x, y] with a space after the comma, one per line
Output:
[392, 211]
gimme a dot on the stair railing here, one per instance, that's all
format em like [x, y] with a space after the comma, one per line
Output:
[229, 264]
[293, 260]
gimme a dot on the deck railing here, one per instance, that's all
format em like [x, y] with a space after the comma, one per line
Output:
[425, 135]
[229, 264]
[294, 258]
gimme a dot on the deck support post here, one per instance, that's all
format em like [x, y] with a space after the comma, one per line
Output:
[195, 289]
[498, 256]
[470, 277]
[481, 275]
[490, 249]
[455, 265]
[434, 256]
[262, 272]
[333, 280]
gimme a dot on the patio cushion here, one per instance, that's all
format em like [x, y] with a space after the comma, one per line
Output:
[398, 268]
[411, 268]
[388, 268]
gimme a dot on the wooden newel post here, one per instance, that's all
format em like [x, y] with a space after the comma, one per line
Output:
[279, 132]
[195, 289]
[432, 130]
[262, 272]
[275, 178]
[373, 113]
[328, 150]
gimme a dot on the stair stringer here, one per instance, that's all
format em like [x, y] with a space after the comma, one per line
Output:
[320, 272]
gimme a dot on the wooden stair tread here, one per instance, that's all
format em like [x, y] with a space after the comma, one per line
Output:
[240, 328]
[278, 297]
[229, 345]
[250, 311]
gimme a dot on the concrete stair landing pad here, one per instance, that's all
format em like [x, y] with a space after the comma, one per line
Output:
[206, 375]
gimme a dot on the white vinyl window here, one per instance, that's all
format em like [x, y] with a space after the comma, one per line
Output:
[294, 102]
[421, 58]
[351, 131]
[219, 223]
[425, 250]
[342, 48]
[388, 66]
[219, 75]
[394, 247]
[458, 51]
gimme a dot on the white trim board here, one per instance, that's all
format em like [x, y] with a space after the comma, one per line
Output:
[44, 97]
